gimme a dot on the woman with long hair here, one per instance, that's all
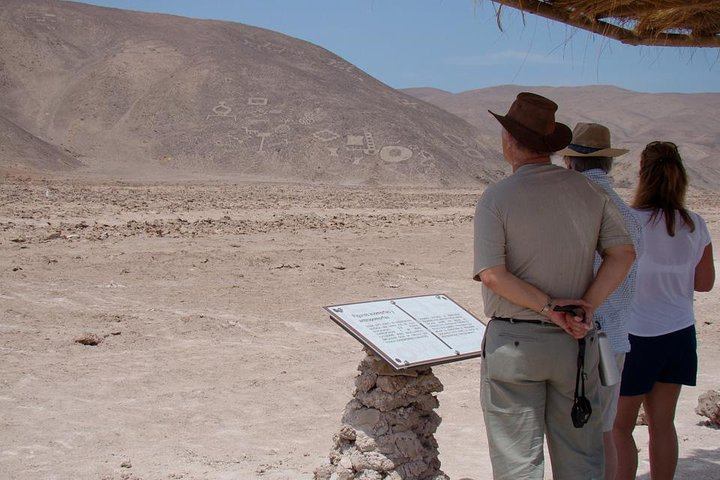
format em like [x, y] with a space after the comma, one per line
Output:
[676, 260]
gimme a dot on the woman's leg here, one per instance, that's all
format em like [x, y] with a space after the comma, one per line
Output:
[660, 404]
[610, 455]
[627, 453]
[609, 396]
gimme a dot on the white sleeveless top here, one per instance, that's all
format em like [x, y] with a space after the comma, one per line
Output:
[663, 301]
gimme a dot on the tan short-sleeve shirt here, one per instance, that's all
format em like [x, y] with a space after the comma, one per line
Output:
[544, 223]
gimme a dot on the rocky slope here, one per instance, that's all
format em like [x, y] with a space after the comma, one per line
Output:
[143, 95]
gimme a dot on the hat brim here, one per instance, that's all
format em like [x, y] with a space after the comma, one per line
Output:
[605, 152]
[558, 139]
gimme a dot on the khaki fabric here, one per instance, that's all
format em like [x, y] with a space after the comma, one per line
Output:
[544, 223]
[527, 390]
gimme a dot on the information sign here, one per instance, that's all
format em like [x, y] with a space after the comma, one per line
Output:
[412, 331]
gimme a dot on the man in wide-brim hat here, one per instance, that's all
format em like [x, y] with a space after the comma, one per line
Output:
[591, 141]
[536, 233]
[590, 153]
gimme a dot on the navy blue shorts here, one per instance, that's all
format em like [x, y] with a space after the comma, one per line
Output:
[669, 358]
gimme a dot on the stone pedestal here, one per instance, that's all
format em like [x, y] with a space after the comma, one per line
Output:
[388, 427]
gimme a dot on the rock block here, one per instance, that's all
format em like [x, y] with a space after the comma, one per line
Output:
[388, 428]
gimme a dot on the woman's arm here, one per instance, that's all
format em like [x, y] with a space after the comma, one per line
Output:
[705, 271]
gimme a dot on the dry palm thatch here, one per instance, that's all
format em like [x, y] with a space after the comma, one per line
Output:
[676, 23]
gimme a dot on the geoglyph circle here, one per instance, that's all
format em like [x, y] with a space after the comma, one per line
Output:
[395, 153]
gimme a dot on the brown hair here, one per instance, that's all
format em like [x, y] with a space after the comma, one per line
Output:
[662, 184]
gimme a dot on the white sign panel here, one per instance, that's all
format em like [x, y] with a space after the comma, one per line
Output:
[413, 331]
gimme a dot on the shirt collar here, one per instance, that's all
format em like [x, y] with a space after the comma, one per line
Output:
[533, 166]
[598, 176]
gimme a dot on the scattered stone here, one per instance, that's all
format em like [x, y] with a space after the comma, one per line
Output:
[89, 339]
[388, 428]
[126, 464]
[285, 265]
[709, 406]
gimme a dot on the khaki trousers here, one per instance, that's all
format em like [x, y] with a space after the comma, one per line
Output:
[527, 386]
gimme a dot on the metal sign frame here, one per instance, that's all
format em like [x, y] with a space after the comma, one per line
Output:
[407, 332]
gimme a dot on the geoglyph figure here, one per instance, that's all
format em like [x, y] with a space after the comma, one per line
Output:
[221, 110]
[395, 154]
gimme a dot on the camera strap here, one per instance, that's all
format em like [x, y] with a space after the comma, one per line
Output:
[580, 376]
[581, 409]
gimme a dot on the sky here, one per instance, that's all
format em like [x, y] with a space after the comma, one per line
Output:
[456, 45]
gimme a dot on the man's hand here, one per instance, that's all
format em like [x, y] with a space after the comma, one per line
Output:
[575, 325]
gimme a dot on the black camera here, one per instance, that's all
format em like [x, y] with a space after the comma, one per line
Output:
[581, 411]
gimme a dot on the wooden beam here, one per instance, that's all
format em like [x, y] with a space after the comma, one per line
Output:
[678, 40]
[638, 11]
[629, 37]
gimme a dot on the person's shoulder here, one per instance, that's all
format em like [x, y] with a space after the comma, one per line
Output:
[698, 220]
[621, 204]
[589, 185]
[548, 172]
[563, 172]
[575, 176]
[642, 214]
[695, 216]
[489, 194]
[488, 190]
[500, 186]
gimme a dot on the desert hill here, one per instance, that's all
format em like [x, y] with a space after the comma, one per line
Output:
[155, 96]
[634, 120]
[32, 152]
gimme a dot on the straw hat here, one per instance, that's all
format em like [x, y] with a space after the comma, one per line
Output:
[591, 140]
[531, 121]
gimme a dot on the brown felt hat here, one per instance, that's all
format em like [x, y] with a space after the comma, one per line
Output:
[531, 121]
[591, 140]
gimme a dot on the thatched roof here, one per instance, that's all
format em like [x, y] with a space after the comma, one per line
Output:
[676, 23]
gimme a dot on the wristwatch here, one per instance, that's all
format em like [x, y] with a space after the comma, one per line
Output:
[545, 311]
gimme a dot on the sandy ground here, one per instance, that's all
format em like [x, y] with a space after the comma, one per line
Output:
[216, 359]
